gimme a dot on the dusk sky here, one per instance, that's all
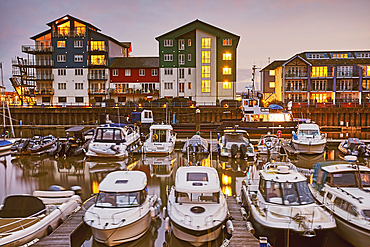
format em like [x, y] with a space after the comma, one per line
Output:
[268, 29]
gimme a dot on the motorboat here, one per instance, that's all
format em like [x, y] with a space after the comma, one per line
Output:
[353, 146]
[123, 209]
[279, 202]
[196, 145]
[196, 206]
[114, 142]
[269, 143]
[343, 187]
[308, 139]
[24, 218]
[37, 145]
[235, 143]
[161, 140]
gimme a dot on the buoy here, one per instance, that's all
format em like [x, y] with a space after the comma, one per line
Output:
[167, 224]
[152, 212]
[250, 228]
[229, 227]
[243, 212]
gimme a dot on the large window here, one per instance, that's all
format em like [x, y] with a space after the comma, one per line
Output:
[206, 56]
[97, 45]
[206, 71]
[366, 85]
[206, 86]
[61, 44]
[206, 43]
[168, 57]
[98, 59]
[319, 71]
[168, 42]
[366, 71]
[226, 71]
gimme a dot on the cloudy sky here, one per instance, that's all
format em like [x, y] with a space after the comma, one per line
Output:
[269, 29]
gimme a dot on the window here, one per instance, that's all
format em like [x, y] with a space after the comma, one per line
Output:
[340, 55]
[62, 99]
[154, 72]
[359, 55]
[315, 56]
[366, 70]
[61, 44]
[189, 42]
[343, 71]
[61, 58]
[181, 44]
[98, 59]
[168, 42]
[189, 85]
[127, 72]
[78, 43]
[226, 85]
[79, 86]
[272, 84]
[79, 99]
[97, 45]
[189, 57]
[168, 85]
[181, 73]
[189, 71]
[227, 42]
[115, 72]
[181, 87]
[366, 85]
[319, 71]
[168, 57]
[62, 86]
[226, 56]
[168, 71]
[141, 72]
[79, 72]
[226, 71]
[206, 71]
[45, 99]
[181, 59]
[272, 72]
[206, 43]
[206, 56]
[206, 86]
[61, 71]
[79, 58]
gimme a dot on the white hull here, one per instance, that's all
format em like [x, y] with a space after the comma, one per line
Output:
[309, 147]
[354, 235]
[158, 148]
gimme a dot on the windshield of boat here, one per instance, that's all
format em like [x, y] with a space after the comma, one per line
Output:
[183, 197]
[159, 135]
[120, 199]
[109, 134]
[344, 179]
[308, 132]
[287, 193]
[234, 137]
[365, 179]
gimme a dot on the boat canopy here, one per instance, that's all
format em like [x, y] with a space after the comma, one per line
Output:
[161, 127]
[123, 181]
[21, 206]
[197, 179]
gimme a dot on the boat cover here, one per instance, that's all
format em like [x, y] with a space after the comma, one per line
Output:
[21, 206]
[75, 129]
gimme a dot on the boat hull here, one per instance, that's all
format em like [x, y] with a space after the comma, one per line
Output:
[353, 234]
[309, 148]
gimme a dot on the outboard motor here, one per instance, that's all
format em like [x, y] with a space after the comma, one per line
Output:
[234, 150]
[243, 151]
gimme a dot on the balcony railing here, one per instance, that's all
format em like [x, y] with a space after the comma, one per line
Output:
[43, 77]
[68, 32]
[33, 91]
[33, 63]
[352, 88]
[299, 89]
[93, 76]
[348, 74]
[97, 48]
[134, 91]
[37, 49]
[100, 63]
[297, 74]
[322, 75]
[98, 91]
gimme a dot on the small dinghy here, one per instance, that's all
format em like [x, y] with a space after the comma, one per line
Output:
[196, 145]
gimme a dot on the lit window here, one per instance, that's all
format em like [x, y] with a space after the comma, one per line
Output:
[78, 43]
[319, 71]
[98, 59]
[181, 59]
[206, 71]
[168, 57]
[61, 44]
[62, 99]
[97, 45]
[115, 72]
[189, 57]
[206, 43]
[206, 57]
[181, 44]
[127, 72]
[226, 56]
[79, 99]
[141, 72]
[340, 55]
[227, 42]
[226, 71]
[168, 42]
[154, 72]
[61, 58]
[366, 71]
[189, 42]
[206, 86]
[226, 85]
[272, 72]
[181, 87]
[272, 84]
[79, 58]
[189, 85]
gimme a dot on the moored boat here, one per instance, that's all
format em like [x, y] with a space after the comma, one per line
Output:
[308, 139]
[235, 143]
[196, 145]
[161, 140]
[353, 146]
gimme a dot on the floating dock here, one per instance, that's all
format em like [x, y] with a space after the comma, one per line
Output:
[241, 236]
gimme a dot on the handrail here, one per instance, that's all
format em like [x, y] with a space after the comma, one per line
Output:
[37, 215]
[94, 214]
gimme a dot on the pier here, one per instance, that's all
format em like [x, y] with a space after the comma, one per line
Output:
[241, 237]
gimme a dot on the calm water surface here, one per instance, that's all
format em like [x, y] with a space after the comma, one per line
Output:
[25, 174]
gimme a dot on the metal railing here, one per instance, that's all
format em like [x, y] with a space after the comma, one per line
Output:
[348, 74]
[97, 91]
[103, 48]
[133, 91]
[103, 62]
[37, 48]
[68, 32]
[296, 74]
[97, 76]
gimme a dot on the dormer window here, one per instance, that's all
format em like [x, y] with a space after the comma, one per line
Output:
[315, 55]
[340, 55]
[363, 55]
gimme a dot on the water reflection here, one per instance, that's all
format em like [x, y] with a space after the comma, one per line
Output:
[24, 174]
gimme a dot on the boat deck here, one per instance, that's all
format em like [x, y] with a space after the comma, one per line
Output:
[241, 237]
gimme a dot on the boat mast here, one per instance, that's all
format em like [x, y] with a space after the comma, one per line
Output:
[2, 93]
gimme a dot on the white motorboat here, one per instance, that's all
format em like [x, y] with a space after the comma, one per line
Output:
[235, 143]
[269, 142]
[279, 202]
[344, 189]
[196, 206]
[308, 139]
[26, 218]
[110, 141]
[161, 140]
[123, 209]
[355, 147]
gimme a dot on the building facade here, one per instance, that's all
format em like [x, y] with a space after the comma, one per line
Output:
[134, 78]
[198, 61]
[319, 77]
[68, 64]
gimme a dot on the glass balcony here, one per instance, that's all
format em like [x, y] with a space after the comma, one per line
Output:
[296, 74]
[97, 49]
[344, 74]
[32, 49]
[70, 33]
[97, 63]
[97, 91]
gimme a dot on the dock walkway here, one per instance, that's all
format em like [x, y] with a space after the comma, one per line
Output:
[62, 235]
[241, 237]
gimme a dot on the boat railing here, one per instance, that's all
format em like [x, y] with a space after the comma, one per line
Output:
[211, 217]
[97, 216]
[121, 212]
[186, 216]
[275, 165]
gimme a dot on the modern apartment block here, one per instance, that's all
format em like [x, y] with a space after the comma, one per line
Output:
[198, 61]
[325, 77]
[132, 78]
[68, 64]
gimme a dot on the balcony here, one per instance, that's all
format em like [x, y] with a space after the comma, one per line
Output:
[295, 75]
[97, 49]
[347, 74]
[134, 91]
[43, 77]
[33, 63]
[97, 63]
[37, 49]
[70, 33]
[347, 88]
[296, 89]
[98, 91]
[35, 92]
[322, 89]
[97, 77]
[328, 74]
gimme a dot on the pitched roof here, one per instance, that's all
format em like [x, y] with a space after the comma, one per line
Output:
[274, 64]
[135, 62]
[67, 16]
[40, 34]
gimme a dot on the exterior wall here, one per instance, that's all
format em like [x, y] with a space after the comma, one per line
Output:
[134, 76]
[279, 84]
[115, 50]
